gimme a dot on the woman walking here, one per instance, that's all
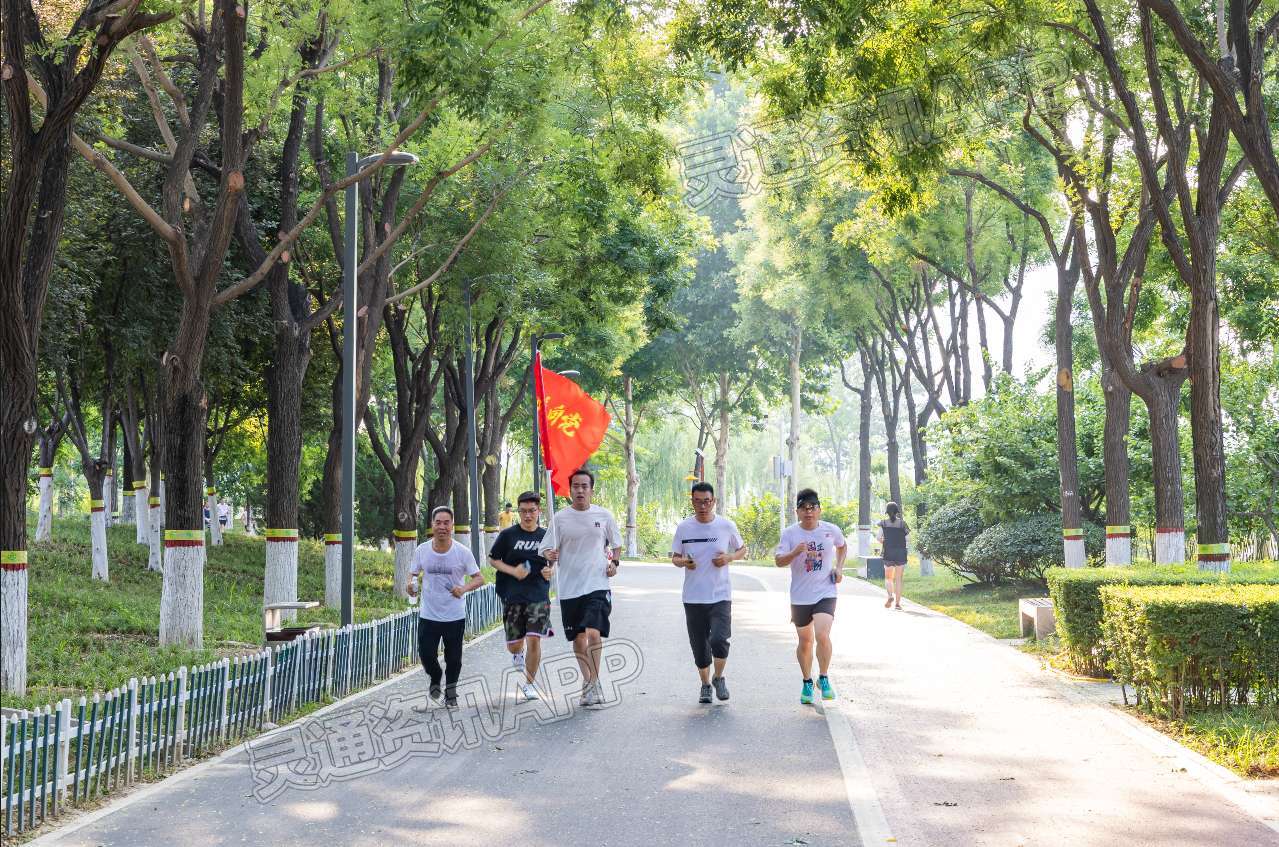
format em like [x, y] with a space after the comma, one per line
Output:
[445, 566]
[892, 537]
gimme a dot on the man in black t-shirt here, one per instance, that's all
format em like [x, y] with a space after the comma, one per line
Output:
[524, 585]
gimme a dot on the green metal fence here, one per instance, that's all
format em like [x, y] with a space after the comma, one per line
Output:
[67, 754]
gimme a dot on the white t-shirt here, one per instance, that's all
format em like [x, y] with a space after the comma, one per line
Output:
[812, 573]
[585, 540]
[443, 571]
[706, 583]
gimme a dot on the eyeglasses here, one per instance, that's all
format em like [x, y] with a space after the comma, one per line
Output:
[697, 501]
[532, 510]
[808, 507]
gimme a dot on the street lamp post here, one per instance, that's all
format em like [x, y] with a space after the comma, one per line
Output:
[354, 164]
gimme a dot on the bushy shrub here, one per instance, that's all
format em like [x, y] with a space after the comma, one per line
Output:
[1193, 645]
[1076, 595]
[759, 523]
[1023, 549]
[842, 515]
[946, 534]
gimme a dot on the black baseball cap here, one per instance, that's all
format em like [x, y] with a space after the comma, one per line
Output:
[806, 497]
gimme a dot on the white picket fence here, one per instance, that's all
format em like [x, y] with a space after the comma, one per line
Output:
[65, 754]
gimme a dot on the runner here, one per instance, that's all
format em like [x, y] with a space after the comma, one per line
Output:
[892, 538]
[704, 545]
[523, 583]
[814, 550]
[445, 564]
[584, 544]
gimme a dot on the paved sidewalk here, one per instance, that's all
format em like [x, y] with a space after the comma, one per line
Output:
[942, 737]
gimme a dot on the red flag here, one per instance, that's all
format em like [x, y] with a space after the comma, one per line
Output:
[570, 422]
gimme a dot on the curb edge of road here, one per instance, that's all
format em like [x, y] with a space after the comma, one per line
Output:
[143, 792]
[1229, 785]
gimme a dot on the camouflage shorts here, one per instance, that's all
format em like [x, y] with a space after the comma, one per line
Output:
[524, 619]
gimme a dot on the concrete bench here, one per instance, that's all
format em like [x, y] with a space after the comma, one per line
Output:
[1036, 614]
[271, 620]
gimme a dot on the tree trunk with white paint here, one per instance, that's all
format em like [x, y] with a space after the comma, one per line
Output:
[281, 583]
[182, 595]
[155, 553]
[405, 545]
[98, 536]
[215, 525]
[44, 524]
[108, 497]
[333, 570]
[13, 621]
[142, 513]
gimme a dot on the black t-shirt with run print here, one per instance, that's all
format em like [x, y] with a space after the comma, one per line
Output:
[515, 546]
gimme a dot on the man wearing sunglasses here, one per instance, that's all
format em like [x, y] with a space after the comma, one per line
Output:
[814, 550]
[524, 586]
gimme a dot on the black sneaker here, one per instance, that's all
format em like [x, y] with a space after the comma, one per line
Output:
[721, 688]
[450, 701]
[436, 693]
[705, 696]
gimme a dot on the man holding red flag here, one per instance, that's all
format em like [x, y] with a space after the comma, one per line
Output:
[582, 543]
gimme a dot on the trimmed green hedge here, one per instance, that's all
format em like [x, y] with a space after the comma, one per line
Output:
[1077, 602]
[1193, 645]
[1023, 549]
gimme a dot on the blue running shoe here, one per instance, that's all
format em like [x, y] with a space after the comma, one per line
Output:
[828, 691]
[806, 693]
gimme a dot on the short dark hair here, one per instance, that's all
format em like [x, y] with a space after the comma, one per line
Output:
[580, 472]
[893, 509]
[507, 505]
[529, 497]
[439, 509]
[806, 495]
[702, 486]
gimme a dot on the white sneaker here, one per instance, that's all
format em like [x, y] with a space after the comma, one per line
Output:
[529, 691]
[594, 697]
[587, 691]
[517, 659]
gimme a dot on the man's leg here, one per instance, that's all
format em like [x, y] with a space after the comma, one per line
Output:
[581, 649]
[821, 624]
[532, 656]
[719, 630]
[698, 624]
[804, 650]
[428, 648]
[454, 632]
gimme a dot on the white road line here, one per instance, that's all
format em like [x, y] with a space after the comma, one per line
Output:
[868, 815]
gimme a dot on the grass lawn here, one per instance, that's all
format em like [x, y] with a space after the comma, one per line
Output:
[1244, 739]
[86, 636]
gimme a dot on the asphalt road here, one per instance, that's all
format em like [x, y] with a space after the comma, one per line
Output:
[941, 737]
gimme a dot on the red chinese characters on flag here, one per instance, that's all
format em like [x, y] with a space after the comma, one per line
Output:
[571, 424]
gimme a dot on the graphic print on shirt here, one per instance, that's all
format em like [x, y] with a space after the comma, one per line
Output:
[815, 558]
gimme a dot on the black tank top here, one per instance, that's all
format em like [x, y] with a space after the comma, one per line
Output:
[894, 540]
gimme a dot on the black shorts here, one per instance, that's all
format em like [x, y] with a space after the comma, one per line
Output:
[590, 611]
[802, 614]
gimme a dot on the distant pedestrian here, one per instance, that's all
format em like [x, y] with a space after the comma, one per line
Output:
[444, 565]
[584, 544]
[524, 586]
[814, 550]
[892, 539]
[506, 517]
[704, 545]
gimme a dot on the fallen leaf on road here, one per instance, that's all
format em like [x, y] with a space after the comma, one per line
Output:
[945, 803]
